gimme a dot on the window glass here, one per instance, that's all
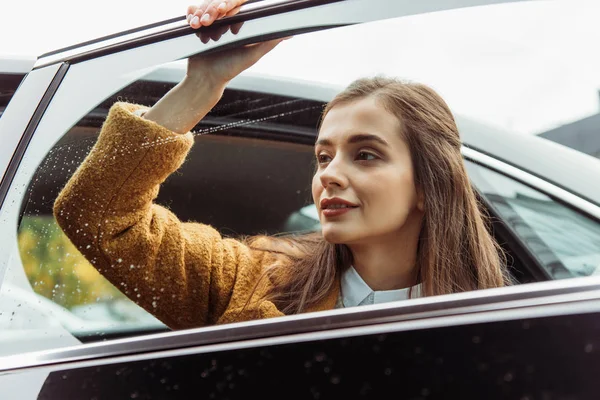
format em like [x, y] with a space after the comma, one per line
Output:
[565, 242]
[8, 85]
[250, 131]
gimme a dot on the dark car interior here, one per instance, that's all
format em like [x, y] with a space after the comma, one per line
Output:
[246, 179]
[9, 83]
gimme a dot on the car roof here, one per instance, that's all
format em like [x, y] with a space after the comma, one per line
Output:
[567, 168]
[16, 64]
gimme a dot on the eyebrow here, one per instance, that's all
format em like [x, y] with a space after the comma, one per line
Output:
[358, 138]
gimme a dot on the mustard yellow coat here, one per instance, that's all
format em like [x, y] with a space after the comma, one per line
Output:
[185, 274]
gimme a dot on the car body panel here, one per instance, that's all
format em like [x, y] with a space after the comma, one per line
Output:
[562, 166]
[508, 353]
[19, 111]
[16, 65]
[459, 308]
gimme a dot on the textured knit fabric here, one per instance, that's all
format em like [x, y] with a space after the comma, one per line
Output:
[185, 274]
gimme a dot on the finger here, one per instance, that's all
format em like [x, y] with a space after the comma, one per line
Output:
[204, 37]
[235, 28]
[191, 10]
[216, 34]
[195, 14]
[233, 11]
[190, 13]
[210, 14]
[224, 29]
[210, 10]
[227, 6]
[224, 7]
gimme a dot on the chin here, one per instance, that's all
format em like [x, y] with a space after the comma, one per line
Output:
[336, 236]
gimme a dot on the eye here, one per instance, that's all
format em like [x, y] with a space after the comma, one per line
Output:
[366, 156]
[323, 158]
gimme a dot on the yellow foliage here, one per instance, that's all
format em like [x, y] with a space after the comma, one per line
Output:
[56, 269]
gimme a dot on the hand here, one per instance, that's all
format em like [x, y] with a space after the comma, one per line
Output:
[210, 10]
[215, 33]
[207, 74]
[219, 68]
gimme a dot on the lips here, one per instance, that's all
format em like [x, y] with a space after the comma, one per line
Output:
[335, 206]
[336, 202]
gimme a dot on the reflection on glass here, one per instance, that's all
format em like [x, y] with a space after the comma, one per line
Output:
[566, 243]
[274, 199]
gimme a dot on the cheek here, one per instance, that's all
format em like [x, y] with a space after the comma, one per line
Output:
[317, 188]
[391, 191]
[405, 188]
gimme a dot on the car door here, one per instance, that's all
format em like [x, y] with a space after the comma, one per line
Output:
[422, 347]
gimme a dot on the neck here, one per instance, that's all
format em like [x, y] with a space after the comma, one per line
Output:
[389, 263]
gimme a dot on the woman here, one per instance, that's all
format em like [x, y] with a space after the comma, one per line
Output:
[398, 215]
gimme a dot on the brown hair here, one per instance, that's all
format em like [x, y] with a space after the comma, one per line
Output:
[456, 252]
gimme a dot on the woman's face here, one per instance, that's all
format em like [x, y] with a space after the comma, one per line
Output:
[363, 188]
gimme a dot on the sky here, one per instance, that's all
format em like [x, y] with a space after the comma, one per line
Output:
[526, 67]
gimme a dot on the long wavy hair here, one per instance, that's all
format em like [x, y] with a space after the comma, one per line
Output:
[455, 251]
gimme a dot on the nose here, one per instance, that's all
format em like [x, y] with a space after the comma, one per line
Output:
[334, 174]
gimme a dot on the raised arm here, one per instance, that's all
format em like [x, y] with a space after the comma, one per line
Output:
[183, 273]
[188, 102]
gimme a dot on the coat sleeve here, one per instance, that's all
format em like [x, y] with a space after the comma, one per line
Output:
[183, 273]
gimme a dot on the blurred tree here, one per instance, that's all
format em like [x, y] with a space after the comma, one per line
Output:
[56, 269]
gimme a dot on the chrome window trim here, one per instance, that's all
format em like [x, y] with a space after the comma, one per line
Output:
[468, 307]
[532, 181]
[250, 11]
[177, 27]
[54, 58]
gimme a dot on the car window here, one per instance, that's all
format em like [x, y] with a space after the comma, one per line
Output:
[250, 132]
[9, 82]
[266, 119]
[227, 182]
[565, 242]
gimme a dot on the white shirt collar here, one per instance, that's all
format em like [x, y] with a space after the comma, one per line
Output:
[356, 292]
